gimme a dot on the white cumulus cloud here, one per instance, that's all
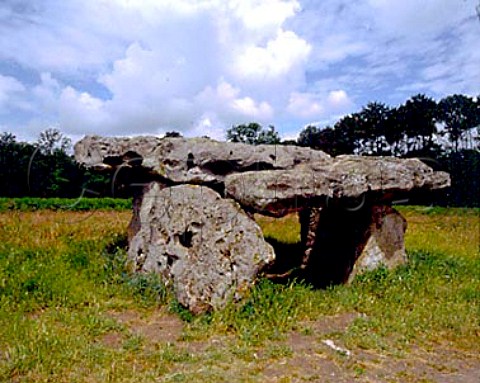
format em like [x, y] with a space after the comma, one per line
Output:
[280, 55]
[315, 106]
[167, 65]
[199, 66]
[10, 88]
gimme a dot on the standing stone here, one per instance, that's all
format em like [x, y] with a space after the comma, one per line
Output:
[309, 220]
[138, 192]
[385, 244]
[204, 245]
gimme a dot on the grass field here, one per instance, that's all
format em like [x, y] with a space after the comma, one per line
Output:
[71, 312]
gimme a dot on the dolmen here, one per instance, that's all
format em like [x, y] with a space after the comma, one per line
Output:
[195, 200]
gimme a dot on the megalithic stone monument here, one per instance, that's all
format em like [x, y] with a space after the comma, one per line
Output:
[195, 200]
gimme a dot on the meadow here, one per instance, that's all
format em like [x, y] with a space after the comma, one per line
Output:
[71, 311]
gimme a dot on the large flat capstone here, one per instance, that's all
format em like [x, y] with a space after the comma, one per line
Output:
[191, 160]
[268, 179]
[281, 192]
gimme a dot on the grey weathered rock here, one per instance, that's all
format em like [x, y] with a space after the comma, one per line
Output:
[280, 192]
[103, 152]
[208, 246]
[387, 174]
[277, 193]
[204, 245]
[135, 223]
[384, 244]
[192, 160]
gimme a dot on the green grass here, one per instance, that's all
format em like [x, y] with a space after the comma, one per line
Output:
[438, 210]
[64, 284]
[65, 204]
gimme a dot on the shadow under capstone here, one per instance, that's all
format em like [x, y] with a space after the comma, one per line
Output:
[339, 240]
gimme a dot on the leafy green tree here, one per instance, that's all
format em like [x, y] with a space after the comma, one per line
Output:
[52, 139]
[477, 120]
[422, 112]
[268, 136]
[326, 141]
[253, 134]
[14, 161]
[7, 138]
[332, 140]
[45, 169]
[309, 136]
[51, 170]
[173, 133]
[348, 134]
[374, 123]
[395, 135]
[288, 142]
[464, 169]
[460, 115]
[319, 139]
[415, 124]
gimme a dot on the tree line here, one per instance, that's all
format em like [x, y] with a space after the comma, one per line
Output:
[445, 134]
[419, 127]
[45, 168]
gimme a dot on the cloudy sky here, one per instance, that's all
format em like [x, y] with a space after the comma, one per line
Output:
[126, 67]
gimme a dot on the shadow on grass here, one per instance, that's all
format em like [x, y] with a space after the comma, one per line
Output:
[288, 257]
[118, 242]
[288, 261]
[321, 271]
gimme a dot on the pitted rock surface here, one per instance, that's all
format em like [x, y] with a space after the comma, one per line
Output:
[280, 192]
[204, 245]
[192, 160]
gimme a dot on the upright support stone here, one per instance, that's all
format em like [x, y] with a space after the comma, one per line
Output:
[202, 244]
[134, 224]
[138, 194]
[385, 245]
[309, 221]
